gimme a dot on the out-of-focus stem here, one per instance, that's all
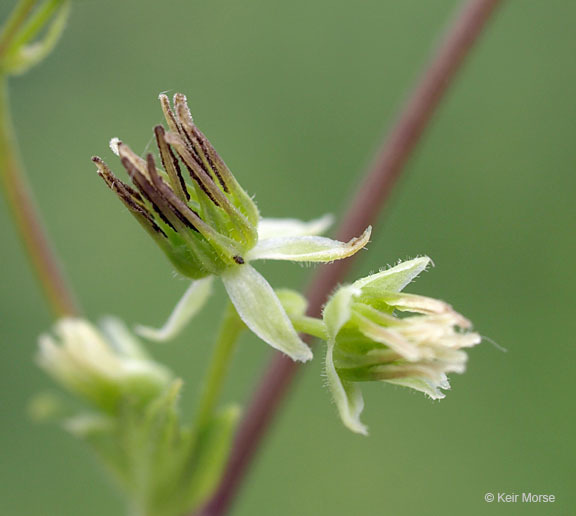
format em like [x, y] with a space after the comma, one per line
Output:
[364, 209]
[14, 23]
[230, 330]
[21, 204]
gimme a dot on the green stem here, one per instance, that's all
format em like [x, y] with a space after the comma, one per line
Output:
[14, 23]
[37, 21]
[21, 203]
[230, 330]
[311, 326]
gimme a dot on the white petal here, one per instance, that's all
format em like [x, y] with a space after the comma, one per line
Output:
[307, 248]
[347, 396]
[261, 310]
[395, 278]
[192, 301]
[271, 228]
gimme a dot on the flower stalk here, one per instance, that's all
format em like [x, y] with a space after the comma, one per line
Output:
[230, 329]
[20, 202]
[21, 48]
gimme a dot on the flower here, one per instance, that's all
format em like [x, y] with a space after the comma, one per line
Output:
[211, 227]
[103, 367]
[134, 424]
[368, 340]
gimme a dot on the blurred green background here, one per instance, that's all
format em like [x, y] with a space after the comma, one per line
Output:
[295, 96]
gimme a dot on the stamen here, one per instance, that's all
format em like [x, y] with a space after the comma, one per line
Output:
[200, 144]
[130, 197]
[220, 243]
[124, 151]
[198, 174]
[162, 188]
[170, 164]
[123, 191]
[169, 114]
[147, 190]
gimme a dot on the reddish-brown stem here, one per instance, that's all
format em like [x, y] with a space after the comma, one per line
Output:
[364, 209]
[28, 222]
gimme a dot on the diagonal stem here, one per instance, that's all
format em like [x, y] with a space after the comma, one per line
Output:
[364, 209]
[21, 204]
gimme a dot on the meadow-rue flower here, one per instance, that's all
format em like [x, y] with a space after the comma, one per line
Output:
[372, 336]
[102, 366]
[163, 465]
[211, 227]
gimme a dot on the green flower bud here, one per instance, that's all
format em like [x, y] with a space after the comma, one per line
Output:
[103, 368]
[134, 425]
[206, 224]
[375, 336]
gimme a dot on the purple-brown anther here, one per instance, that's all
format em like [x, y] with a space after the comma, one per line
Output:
[193, 206]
